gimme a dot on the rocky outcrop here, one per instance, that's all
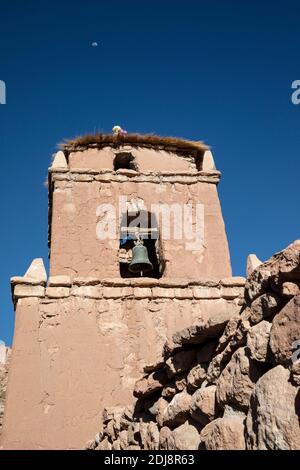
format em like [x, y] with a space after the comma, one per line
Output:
[227, 382]
[273, 418]
[285, 331]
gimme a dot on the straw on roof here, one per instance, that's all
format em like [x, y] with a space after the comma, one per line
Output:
[137, 140]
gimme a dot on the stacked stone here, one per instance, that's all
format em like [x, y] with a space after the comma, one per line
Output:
[227, 382]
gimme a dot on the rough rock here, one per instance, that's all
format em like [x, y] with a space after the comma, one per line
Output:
[133, 434]
[205, 329]
[152, 437]
[273, 418]
[203, 405]
[230, 412]
[252, 263]
[196, 376]
[265, 306]
[110, 431]
[258, 341]
[110, 413]
[166, 439]
[153, 367]
[215, 368]
[116, 445]
[229, 332]
[169, 390]
[149, 436]
[285, 331]
[224, 434]
[257, 283]
[177, 410]
[290, 289]
[181, 383]
[90, 445]
[186, 437]
[104, 445]
[126, 418]
[150, 384]
[220, 361]
[295, 373]
[158, 409]
[123, 440]
[237, 380]
[283, 266]
[180, 362]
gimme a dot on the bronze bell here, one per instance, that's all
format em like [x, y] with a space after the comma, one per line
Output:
[140, 261]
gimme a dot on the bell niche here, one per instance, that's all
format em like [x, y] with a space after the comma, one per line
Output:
[140, 253]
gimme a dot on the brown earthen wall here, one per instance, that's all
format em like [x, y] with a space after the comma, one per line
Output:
[76, 250]
[73, 355]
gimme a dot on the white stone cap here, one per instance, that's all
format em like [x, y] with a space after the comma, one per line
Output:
[34, 278]
[208, 161]
[59, 160]
[252, 263]
[37, 270]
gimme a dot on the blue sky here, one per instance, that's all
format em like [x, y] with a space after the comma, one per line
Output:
[220, 71]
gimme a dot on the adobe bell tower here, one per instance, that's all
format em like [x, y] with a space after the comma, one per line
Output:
[84, 333]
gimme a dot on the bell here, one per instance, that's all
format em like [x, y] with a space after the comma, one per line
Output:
[140, 261]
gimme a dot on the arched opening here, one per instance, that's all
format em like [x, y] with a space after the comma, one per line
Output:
[141, 225]
[124, 160]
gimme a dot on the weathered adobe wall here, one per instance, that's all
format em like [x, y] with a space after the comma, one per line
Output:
[86, 337]
[146, 159]
[4, 366]
[85, 343]
[224, 384]
[76, 250]
[81, 187]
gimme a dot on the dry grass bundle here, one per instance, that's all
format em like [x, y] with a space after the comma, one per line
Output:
[137, 140]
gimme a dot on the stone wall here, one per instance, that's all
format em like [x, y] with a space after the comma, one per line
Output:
[224, 383]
